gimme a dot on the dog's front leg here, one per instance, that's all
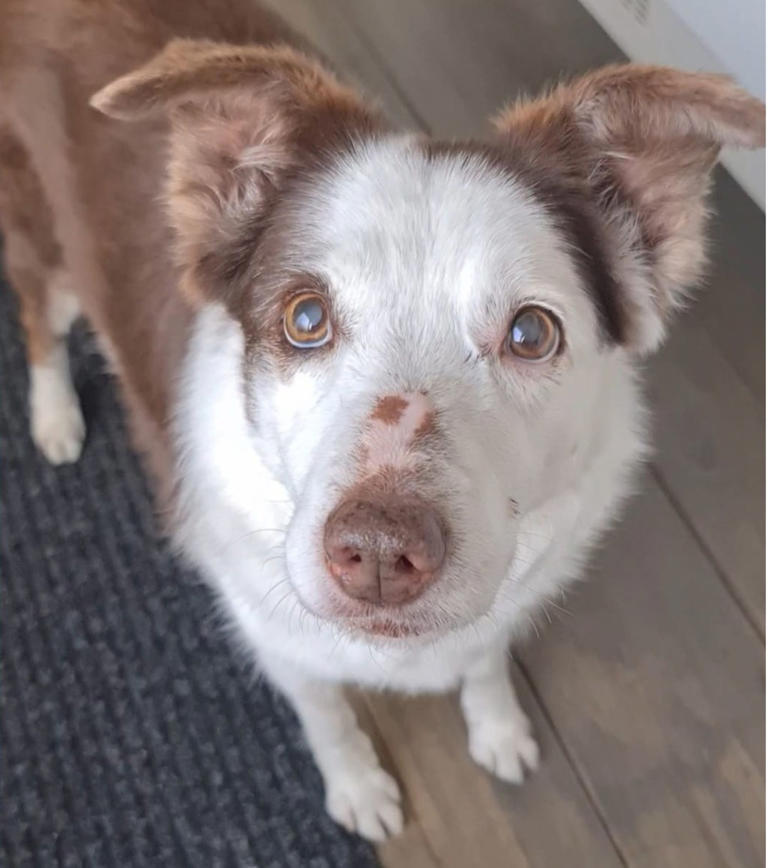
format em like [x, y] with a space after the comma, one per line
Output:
[499, 731]
[359, 794]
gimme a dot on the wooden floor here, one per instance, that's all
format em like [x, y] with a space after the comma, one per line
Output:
[648, 693]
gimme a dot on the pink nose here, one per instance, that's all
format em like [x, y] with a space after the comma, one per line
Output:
[384, 552]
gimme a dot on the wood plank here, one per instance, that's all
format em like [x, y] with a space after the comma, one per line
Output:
[656, 687]
[709, 435]
[466, 817]
[731, 305]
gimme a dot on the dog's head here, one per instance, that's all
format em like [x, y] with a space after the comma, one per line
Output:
[435, 334]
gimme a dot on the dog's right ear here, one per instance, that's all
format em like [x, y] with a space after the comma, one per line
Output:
[631, 149]
[243, 118]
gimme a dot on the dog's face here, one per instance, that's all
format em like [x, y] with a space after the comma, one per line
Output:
[434, 333]
[425, 353]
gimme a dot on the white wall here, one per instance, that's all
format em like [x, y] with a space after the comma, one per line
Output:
[714, 35]
[734, 31]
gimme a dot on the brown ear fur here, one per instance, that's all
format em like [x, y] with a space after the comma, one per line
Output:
[641, 142]
[243, 119]
[187, 70]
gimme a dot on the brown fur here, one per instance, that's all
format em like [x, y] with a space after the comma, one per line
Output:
[31, 252]
[244, 120]
[389, 409]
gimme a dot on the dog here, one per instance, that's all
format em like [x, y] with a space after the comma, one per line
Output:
[386, 386]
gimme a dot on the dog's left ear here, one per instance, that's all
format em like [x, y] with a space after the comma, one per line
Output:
[243, 121]
[631, 148]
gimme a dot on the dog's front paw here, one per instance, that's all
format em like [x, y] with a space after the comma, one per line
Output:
[366, 802]
[57, 422]
[59, 430]
[505, 747]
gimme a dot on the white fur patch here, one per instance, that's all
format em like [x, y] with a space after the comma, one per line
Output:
[57, 423]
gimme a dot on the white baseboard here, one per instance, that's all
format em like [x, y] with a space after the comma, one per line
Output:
[651, 32]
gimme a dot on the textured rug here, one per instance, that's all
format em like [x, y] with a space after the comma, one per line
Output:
[132, 734]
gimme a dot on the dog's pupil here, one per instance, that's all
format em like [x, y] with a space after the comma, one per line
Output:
[528, 329]
[309, 315]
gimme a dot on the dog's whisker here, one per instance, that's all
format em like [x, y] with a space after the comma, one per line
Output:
[376, 662]
[230, 543]
[533, 534]
[533, 624]
[280, 530]
[277, 584]
[559, 608]
[279, 603]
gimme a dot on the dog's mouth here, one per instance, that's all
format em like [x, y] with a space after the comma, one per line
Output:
[374, 621]
[386, 623]
[409, 621]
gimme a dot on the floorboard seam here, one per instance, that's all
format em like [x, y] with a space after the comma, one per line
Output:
[730, 588]
[580, 778]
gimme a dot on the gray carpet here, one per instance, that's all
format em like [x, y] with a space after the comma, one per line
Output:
[132, 734]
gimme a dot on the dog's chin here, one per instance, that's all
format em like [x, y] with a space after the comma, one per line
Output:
[410, 623]
[387, 629]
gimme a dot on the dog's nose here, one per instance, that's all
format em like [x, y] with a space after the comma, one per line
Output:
[384, 552]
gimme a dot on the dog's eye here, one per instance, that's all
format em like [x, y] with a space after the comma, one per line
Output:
[534, 335]
[306, 322]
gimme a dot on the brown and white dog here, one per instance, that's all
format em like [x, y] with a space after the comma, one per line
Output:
[386, 385]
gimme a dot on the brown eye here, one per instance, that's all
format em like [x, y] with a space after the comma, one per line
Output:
[534, 335]
[306, 322]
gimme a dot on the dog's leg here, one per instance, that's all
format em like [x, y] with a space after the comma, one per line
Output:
[359, 794]
[499, 732]
[56, 420]
[34, 265]
[47, 311]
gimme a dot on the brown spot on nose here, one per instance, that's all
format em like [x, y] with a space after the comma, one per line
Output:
[389, 409]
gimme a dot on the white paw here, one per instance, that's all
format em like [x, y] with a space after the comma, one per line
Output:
[59, 432]
[505, 747]
[367, 803]
[57, 423]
